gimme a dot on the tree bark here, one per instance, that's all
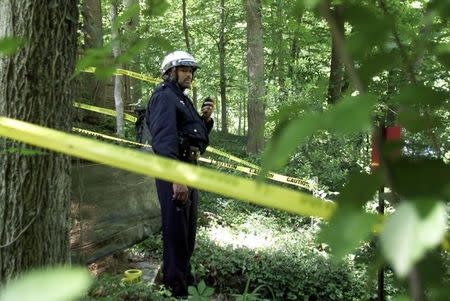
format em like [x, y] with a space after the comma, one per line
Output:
[336, 65]
[95, 90]
[117, 78]
[255, 65]
[92, 23]
[35, 86]
[223, 81]
[131, 26]
[188, 46]
[240, 116]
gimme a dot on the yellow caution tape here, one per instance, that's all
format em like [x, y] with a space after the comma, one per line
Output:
[247, 170]
[104, 111]
[232, 186]
[253, 170]
[83, 131]
[130, 74]
[231, 157]
[271, 175]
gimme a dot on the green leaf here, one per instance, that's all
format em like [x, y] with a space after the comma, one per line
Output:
[9, 45]
[406, 237]
[100, 58]
[298, 9]
[286, 140]
[161, 42]
[346, 230]
[209, 291]
[201, 287]
[401, 298]
[351, 114]
[420, 95]
[155, 7]
[311, 4]
[421, 178]
[132, 51]
[416, 122]
[443, 54]
[128, 14]
[360, 188]
[377, 63]
[433, 269]
[441, 7]
[368, 28]
[104, 72]
[56, 284]
[192, 291]
[438, 294]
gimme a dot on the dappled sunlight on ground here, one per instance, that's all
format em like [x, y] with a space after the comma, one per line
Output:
[225, 237]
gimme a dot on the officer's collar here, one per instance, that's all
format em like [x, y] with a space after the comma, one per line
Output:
[175, 87]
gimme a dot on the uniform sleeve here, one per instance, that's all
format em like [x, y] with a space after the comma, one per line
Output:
[162, 123]
[209, 125]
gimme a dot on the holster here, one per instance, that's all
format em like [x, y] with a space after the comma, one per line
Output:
[188, 152]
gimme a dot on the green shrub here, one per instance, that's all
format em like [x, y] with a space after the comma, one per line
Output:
[111, 288]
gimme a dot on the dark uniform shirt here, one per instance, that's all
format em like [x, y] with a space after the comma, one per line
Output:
[173, 120]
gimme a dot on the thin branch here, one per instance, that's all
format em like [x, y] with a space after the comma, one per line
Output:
[409, 66]
[405, 59]
[340, 47]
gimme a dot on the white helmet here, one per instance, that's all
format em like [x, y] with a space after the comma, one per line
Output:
[178, 58]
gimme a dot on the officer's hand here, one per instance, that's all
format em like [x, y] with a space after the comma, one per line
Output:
[180, 193]
[207, 110]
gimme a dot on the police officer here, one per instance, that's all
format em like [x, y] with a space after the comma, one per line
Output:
[178, 131]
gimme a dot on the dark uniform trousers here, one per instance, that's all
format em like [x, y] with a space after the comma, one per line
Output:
[179, 224]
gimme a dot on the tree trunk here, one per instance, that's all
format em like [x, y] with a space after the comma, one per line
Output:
[280, 70]
[244, 127]
[255, 139]
[35, 86]
[117, 78]
[240, 116]
[92, 23]
[93, 38]
[131, 26]
[336, 66]
[188, 47]
[223, 83]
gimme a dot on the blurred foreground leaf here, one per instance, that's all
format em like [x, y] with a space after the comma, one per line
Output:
[56, 284]
[350, 115]
[406, 237]
[346, 230]
[10, 45]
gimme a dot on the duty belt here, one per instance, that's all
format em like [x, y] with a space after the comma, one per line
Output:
[190, 153]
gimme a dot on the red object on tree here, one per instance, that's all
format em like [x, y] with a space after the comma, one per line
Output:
[391, 133]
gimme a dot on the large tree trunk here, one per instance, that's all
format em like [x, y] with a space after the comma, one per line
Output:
[336, 66]
[94, 90]
[117, 78]
[135, 89]
[255, 140]
[223, 83]
[35, 86]
[188, 46]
